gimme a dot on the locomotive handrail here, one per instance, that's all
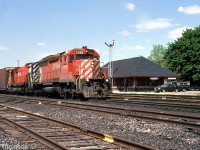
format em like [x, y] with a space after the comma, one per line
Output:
[78, 84]
[78, 78]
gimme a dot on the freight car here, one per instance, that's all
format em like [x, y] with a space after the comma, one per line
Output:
[73, 73]
[4, 75]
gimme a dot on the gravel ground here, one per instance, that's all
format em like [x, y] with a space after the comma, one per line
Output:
[7, 141]
[159, 135]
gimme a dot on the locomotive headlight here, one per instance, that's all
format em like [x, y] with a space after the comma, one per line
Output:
[87, 80]
[106, 80]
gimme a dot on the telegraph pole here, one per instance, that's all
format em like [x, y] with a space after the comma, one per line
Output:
[110, 68]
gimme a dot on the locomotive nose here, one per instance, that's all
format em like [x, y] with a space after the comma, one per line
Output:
[90, 69]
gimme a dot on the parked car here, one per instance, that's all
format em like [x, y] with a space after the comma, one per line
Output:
[182, 85]
[195, 88]
[167, 87]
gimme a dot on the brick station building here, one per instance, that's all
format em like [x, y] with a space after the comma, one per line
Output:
[138, 74]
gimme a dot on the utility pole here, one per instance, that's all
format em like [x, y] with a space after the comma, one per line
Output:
[18, 62]
[110, 68]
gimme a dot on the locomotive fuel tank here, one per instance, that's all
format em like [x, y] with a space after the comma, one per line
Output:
[54, 90]
[17, 90]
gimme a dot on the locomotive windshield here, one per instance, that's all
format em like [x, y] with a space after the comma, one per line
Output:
[78, 57]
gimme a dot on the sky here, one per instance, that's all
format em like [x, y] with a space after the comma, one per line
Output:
[33, 29]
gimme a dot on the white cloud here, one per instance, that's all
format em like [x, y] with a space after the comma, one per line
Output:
[41, 44]
[148, 40]
[136, 47]
[125, 33]
[3, 48]
[195, 9]
[130, 6]
[176, 33]
[154, 24]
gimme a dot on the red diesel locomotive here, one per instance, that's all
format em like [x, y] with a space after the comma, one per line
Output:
[18, 79]
[73, 73]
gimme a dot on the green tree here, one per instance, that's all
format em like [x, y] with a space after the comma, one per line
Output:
[183, 55]
[157, 54]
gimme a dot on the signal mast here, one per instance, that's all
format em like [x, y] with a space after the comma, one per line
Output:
[110, 68]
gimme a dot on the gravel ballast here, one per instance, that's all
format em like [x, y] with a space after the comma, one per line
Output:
[7, 141]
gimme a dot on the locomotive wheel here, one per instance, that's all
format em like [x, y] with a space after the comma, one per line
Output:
[100, 94]
[82, 97]
[66, 95]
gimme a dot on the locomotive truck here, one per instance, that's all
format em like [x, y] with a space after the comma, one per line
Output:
[72, 73]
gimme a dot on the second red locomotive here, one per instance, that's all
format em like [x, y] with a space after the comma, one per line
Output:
[71, 73]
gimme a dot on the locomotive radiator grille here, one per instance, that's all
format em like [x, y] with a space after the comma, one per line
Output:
[90, 69]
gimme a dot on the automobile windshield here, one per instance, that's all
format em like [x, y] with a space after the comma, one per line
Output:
[78, 57]
[164, 85]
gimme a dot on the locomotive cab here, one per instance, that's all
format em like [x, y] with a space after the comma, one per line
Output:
[84, 64]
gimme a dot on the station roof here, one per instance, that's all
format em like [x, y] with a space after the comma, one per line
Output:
[138, 67]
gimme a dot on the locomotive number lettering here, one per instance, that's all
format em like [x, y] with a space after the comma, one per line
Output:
[79, 52]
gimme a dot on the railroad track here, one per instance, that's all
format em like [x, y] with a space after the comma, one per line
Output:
[156, 98]
[56, 134]
[157, 104]
[193, 107]
[183, 120]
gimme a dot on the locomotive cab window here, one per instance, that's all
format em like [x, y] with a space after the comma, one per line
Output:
[79, 57]
[71, 59]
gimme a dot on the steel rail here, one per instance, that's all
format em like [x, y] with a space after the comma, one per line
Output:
[146, 102]
[170, 96]
[165, 98]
